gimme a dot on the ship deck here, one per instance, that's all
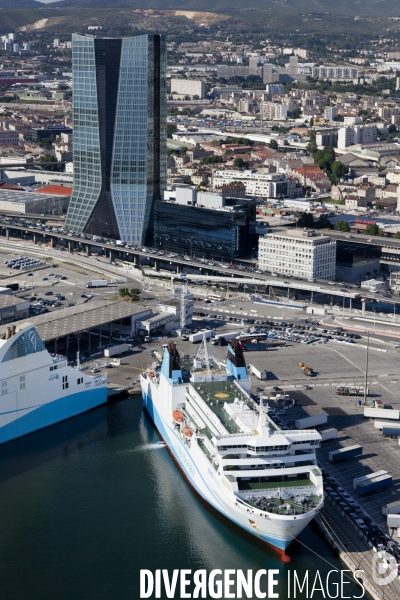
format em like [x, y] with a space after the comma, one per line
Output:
[284, 503]
[215, 394]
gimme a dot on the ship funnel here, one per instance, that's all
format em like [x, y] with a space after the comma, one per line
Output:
[13, 330]
[8, 333]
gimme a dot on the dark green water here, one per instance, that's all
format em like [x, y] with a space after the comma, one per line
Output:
[88, 503]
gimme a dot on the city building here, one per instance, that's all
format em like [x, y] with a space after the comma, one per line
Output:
[189, 87]
[119, 144]
[275, 88]
[356, 261]
[327, 137]
[303, 253]
[329, 113]
[9, 137]
[267, 73]
[253, 65]
[264, 185]
[293, 66]
[358, 134]
[324, 72]
[274, 111]
[204, 224]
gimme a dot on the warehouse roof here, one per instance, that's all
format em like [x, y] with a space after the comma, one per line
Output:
[23, 197]
[71, 320]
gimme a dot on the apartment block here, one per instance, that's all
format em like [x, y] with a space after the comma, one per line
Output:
[303, 253]
[189, 87]
[359, 134]
[263, 185]
[8, 137]
[329, 113]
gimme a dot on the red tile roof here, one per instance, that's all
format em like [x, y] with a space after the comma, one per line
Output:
[57, 190]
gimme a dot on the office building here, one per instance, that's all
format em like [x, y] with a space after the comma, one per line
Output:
[119, 144]
[204, 225]
[188, 87]
[275, 88]
[303, 253]
[356, 261]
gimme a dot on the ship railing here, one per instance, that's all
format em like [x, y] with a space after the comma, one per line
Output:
[276, 492]
[103, 378]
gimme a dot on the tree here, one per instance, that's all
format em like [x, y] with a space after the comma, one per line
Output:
[312, 144]
[339, 169]
[239, 163]
[392, 128]
[397, 235]
[123, 292]
[323, 223]
[342, 226]
[171, 128]
[48, 158]
[325, 158]
[183, 151]
[371, 229]
[305, 220]
[273, 144]
[135, 291]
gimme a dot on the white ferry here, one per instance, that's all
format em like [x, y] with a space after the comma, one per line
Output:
[262, 478]
[38, 389]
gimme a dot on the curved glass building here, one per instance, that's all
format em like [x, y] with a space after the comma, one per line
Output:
[119, 146]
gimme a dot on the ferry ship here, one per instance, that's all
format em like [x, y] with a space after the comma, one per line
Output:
[38, 389]
[264, 479]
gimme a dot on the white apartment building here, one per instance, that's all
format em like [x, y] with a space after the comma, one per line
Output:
[273, 111]
[359, 134]
[352, 120]
[324, 72]
[329, 113]
[256, 183]
[188, 87]
[303, 253]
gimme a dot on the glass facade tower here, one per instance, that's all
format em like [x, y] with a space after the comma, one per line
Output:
[119, 145]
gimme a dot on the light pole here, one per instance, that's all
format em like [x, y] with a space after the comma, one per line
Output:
[366, 371]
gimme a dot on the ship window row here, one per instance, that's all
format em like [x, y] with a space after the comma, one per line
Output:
[267, 448]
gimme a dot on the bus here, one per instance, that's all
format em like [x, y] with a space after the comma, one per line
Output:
[215, 297]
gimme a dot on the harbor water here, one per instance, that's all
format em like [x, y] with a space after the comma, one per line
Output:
[88, 503]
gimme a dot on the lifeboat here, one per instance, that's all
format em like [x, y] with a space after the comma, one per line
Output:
[178, 416]
[187, 432]
[151, 373]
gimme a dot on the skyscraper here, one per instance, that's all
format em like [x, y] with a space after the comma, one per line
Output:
[119, 145]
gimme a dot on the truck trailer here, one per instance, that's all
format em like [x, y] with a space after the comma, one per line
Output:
[382, 413]
[393, 432]
[393, 521]
[368, 477]
[319, 419]
[198, 337]
[259, 374]
[393, 508]
[115, 350]
[382, 424]
[328, 434]
[232, 335]
[344, 453]
[374, 485]
[95, 283]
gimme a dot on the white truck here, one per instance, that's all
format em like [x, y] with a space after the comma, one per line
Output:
[319, 419]
[197, 337]
[115, 350]
[382, 413]
[259, 374]
[95, 283]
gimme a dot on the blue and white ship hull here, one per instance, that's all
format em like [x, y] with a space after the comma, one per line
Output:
[37, 389]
